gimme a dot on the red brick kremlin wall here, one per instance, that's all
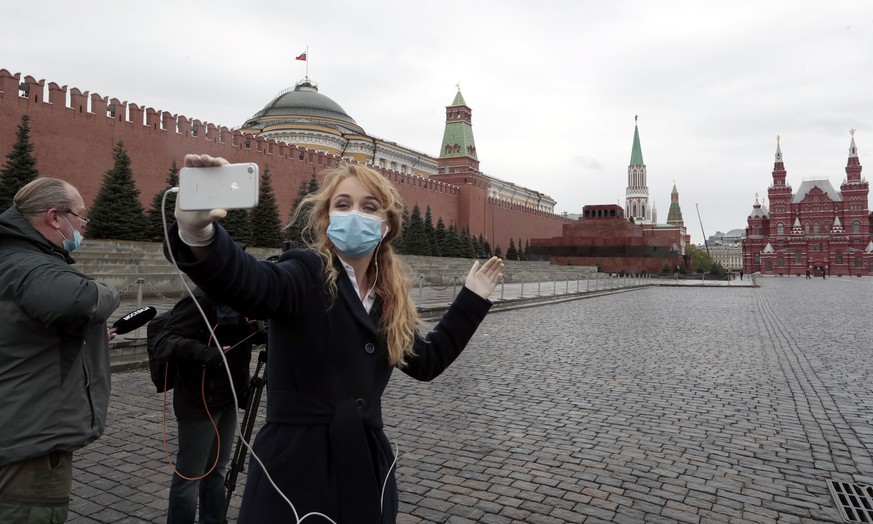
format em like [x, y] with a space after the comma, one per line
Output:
[74, 133]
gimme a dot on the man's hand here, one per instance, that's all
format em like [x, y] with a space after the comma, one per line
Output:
[195, 227]
[211, 356]
[482, 281]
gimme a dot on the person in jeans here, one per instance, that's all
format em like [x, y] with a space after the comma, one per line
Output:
[203, 402]
[54, 351]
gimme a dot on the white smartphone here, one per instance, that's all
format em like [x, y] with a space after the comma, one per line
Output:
[232, 186]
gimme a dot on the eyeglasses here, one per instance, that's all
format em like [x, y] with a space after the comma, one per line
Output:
[77, 215]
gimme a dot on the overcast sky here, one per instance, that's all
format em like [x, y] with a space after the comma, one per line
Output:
[554, 85]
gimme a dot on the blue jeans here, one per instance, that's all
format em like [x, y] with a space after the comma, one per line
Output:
[197, 447]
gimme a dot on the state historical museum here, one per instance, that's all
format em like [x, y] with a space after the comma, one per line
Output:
[817, 229]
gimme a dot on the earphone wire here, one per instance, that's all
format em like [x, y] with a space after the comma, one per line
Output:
[297, 519]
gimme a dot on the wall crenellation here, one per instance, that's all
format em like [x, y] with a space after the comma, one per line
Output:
[123, 112]
[71, 129]
[527, 210]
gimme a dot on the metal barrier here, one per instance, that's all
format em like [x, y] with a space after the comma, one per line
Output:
[601, 281]
[519, 287]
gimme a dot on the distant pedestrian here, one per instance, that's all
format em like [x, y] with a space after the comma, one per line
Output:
[808, 273]
[823, 275]
[741, 274]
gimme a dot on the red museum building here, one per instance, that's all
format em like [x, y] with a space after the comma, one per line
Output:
[818, 228]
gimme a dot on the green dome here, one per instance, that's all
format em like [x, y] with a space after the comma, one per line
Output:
[303, 100]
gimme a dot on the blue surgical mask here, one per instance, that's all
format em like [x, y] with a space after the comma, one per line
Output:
[354, 234]
[71, 245]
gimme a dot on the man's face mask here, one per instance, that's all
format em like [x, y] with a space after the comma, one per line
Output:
[71, 245]
[354, 234]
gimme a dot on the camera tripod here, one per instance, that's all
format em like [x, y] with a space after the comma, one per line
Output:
[253, 400]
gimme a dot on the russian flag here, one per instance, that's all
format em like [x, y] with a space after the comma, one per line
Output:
[301, 56]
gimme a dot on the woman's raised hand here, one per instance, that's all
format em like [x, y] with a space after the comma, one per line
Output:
[195, 227]
[483, 280]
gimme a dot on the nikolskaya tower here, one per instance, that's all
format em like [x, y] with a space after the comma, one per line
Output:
[636, 203]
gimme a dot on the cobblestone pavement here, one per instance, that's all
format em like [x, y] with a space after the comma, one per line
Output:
[652, 405]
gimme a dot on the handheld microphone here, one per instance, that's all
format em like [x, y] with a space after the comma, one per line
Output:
[133, 320]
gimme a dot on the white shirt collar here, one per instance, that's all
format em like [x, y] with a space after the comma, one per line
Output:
[368, 300]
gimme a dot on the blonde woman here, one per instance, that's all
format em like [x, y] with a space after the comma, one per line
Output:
[341, 319]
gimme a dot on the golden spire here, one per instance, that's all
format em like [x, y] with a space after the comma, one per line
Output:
[852, 132]
[458, 85]
[777, 138]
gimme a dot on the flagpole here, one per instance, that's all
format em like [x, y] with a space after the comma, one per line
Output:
[307, 62]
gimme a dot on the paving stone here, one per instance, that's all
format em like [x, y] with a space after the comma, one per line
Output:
[655, 405]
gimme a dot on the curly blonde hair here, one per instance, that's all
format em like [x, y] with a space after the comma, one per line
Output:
[399, 319]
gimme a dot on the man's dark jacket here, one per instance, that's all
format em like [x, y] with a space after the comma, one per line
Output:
[54, 346]
[322, 442]
[199, 370]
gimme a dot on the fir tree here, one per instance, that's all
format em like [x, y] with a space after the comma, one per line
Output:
[266, 228]
[453, 243]
[527, 249]
[486, 246]
[430, 233]
[521, 253]
[467, 250]
[416, 238]
[239, 224]
[155, 221]
[439, 238]
[477, 247]
[117, 212]
[20, 166]
[511, 252]
[498, 252]
[294, 231]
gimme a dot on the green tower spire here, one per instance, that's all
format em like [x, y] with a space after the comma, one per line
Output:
[674, 216]
[636, 151]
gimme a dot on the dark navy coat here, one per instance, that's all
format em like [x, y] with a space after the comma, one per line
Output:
[327, 368]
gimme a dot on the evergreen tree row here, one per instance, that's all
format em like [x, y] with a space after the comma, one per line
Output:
[421, 237]
[117, 213]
